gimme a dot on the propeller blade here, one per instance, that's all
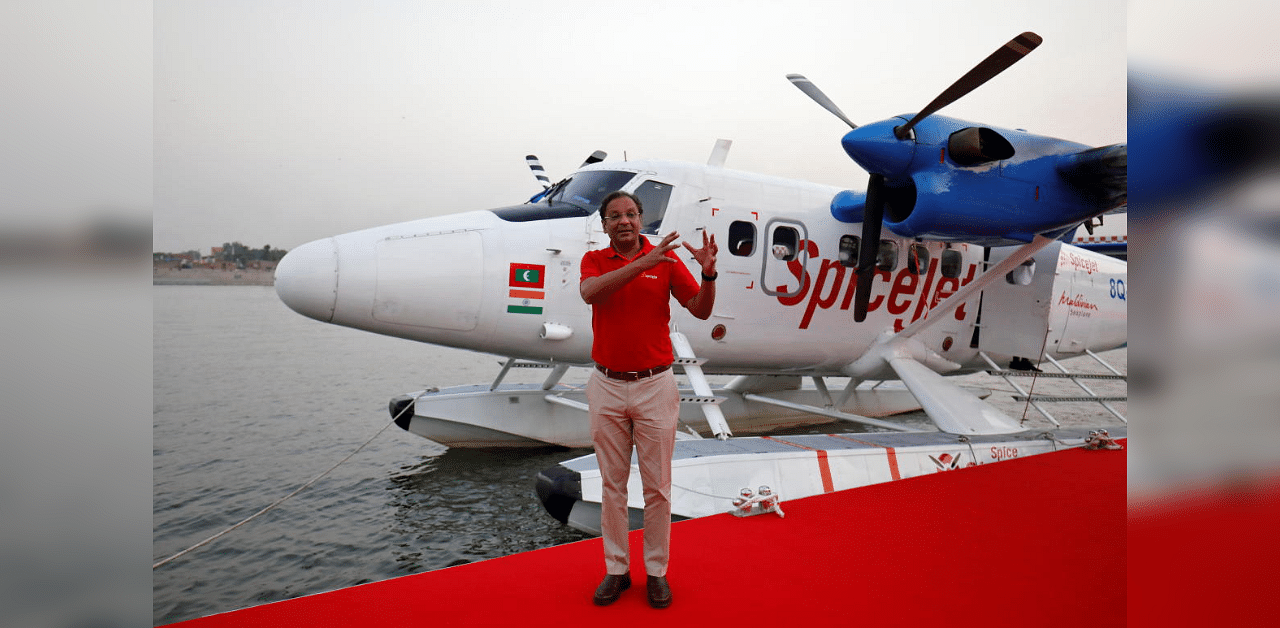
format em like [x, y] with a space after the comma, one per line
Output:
[595, 157]
[816, 94]
[869, 249]
[998, 62]
[538, 171]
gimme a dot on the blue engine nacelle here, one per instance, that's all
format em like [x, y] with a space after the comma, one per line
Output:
[966, 183]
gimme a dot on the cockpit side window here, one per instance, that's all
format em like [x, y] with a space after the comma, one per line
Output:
[653, 198]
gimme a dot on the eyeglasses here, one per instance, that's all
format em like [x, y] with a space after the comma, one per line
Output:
[617, 217]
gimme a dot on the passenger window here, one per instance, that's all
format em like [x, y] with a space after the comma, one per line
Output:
[849, 251]
[918, 259]
[951, 262]
[786, 243]
[742, 238]
[653, 198]
[888, 257]
[1022, 274]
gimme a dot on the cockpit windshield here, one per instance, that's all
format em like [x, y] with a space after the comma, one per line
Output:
[579, 195]
[587, 189]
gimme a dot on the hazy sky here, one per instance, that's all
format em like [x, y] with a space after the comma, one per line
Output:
[280, 122]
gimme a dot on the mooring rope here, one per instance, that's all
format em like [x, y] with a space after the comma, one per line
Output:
[1027, 406]
[295, 491]
[697, 492]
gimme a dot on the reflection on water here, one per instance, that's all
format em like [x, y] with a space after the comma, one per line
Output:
[469, 505]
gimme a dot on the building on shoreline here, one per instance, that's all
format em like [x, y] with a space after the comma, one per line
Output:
[181, 272]
[228, 265]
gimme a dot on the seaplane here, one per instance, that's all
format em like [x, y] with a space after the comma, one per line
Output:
[957, 257]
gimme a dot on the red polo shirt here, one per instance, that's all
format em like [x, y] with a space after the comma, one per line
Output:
[630, 326]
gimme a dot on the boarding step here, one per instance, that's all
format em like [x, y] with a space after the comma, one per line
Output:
[1066, 398]
[692, 366]
[558, 369]
[703, 399]
[1008, 373]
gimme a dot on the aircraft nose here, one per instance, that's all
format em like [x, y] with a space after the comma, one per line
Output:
[307, 279]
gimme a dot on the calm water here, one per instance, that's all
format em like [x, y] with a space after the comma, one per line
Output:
[253, 400]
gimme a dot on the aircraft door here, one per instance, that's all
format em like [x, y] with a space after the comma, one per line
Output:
[1016, 307]
[786, 254]
[543, 277]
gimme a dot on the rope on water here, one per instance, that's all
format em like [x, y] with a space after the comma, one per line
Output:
[295, 491]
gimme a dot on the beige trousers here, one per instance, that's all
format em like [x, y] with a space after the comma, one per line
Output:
[642, 413]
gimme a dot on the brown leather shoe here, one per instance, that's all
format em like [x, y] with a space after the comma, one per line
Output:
[659, 592]
[611, 587]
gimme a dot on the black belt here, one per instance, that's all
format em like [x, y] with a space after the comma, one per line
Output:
[631, 376]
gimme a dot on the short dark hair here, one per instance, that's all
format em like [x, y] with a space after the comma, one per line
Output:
[613, 196]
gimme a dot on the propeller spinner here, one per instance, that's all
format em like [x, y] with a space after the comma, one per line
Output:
[873, 205]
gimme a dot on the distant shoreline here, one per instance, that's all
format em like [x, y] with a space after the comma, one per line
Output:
[168, 274]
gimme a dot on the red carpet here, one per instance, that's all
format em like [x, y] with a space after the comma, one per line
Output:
[1213, 549]
[1038, 541]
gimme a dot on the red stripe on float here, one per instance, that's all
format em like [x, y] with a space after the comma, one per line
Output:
[824, 467]
[893, 463]
[889, 452]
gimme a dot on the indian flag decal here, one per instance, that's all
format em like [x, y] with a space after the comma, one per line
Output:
[526, 288]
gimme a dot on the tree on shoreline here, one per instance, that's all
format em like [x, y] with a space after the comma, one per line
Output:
[234, 252]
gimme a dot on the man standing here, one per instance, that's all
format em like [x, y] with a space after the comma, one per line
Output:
[633, 395]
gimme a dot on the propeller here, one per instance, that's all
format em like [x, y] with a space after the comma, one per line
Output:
[812, 91]
[538, 170]
[997, 62]
[869, 249]
[594, 157]
[873, 204]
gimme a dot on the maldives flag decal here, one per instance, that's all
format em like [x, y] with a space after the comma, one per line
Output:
[527, 275]
[526, 288]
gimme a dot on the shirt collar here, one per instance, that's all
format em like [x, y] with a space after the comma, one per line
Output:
[645, 247]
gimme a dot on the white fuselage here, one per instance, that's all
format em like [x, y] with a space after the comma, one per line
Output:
[481, 282]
